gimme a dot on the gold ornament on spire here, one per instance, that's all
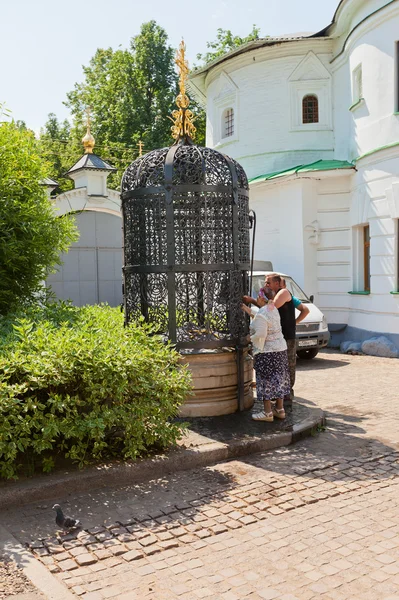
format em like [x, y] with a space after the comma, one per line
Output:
[88, 141]
[183, 118]
[140, 145]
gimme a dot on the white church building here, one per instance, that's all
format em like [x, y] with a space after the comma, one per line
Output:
[314, 120]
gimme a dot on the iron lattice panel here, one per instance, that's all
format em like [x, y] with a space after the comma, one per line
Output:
[243, 220]
[242, 178]
[146, 171]
[202, 235]
[146, 294]
[195, 165]
[203, 310]
[186, 236]
[191, 165]
[146, 217]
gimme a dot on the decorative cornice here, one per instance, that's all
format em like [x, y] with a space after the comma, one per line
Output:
[75, 193]
[307, 175]
[114, 194]
[265, 53]
[350, 38]
[81, 192]
[375, 150]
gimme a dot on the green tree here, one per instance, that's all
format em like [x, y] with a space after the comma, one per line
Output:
[131, 93]
[59, 149]
[225, 42]
[31, 236]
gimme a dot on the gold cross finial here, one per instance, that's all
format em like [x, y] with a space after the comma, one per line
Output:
[88, 140]
[183, 118]
[140, 145]
[88, 113]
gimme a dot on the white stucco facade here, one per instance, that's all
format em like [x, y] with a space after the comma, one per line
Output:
[91, 272]
[313, 222]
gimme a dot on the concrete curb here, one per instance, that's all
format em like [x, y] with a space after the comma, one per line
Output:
[181, 459]
[309, 425]
[34, 570]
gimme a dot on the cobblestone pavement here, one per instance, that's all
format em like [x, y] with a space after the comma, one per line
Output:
[318, 519]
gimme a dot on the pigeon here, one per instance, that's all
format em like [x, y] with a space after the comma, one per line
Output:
[66, 523]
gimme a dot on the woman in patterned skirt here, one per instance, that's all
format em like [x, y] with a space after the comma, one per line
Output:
[270, 358]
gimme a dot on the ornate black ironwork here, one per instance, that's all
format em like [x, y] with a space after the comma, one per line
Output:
[186, 245]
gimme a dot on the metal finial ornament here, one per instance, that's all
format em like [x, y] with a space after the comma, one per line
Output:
[140, 145]
[183, 117]
[88, 140]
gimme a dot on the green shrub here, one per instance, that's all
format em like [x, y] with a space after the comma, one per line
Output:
[75, 383]
[32, 237]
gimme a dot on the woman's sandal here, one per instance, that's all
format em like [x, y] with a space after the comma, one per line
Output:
[263, 416]
[279, 413]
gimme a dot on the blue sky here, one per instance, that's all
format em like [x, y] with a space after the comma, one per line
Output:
[44, 43]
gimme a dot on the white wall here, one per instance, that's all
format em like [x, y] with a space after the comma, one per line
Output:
[91, 271]
[345, 147]
[351, 14]
[311, 236]
[261, 92]
[304, 229]
[372, 124]
[334, 251]
[260, 84]
[365, 129]
[78, 199]
[280, 235]
[373, 189]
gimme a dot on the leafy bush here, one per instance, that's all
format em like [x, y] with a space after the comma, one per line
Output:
[75, 383]
[32, 237]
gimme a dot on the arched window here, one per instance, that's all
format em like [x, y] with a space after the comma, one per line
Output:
[228, 122]
[310, 109]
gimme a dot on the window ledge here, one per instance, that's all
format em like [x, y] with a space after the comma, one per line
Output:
[356, 104]
[364, 293]
[311, 127]
[394, 293]
[226, 141]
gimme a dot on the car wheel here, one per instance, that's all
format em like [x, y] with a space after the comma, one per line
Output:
[308, 354]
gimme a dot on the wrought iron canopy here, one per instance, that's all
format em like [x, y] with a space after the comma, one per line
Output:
[186, 244]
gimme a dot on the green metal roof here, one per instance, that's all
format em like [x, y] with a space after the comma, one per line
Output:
[319, 165]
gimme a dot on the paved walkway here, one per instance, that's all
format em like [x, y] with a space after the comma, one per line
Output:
[318, 519]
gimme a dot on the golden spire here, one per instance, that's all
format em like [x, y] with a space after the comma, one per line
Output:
[88, 140]
[140, 145]
[183, 118]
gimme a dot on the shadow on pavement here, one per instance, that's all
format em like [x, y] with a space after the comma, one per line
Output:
[325, 454]
[320, 362]
[331, 458]
[142, 502]
[241, 425]
[339, 455]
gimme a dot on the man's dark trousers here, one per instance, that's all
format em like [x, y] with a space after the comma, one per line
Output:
[291, 349]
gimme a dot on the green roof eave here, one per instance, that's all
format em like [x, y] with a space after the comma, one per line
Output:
[319, 165]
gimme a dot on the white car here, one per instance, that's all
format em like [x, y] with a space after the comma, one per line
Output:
[311, 333]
